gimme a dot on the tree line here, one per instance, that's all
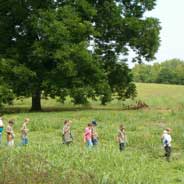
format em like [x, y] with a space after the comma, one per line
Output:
[167, 72]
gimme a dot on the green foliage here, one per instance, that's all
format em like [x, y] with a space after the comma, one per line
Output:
[6, 95]
[46, 47]
[168, 72]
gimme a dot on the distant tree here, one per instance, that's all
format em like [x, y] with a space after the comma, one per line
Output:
[166, 75]
[155, 69]
[171, 72]
[180, 73]
[142, 73]
[168, 72]
[44, 46]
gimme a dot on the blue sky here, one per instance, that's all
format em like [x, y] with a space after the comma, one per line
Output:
[171, 16]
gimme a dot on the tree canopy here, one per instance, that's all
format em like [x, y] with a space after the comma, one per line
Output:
[72, 47]
[6, 94]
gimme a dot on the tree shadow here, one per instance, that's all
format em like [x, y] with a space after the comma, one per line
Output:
[13, 110]
[136, 106]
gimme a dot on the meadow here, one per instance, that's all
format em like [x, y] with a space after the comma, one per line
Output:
[47, 161]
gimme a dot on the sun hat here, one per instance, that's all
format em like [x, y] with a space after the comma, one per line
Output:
[94, 123]
[165, 131]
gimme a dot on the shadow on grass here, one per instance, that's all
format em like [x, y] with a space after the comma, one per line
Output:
[11, 110]
[16, 109]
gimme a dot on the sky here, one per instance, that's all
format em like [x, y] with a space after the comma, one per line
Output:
[171, 16]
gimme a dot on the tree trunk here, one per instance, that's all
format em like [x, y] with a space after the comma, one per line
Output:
[36, 100]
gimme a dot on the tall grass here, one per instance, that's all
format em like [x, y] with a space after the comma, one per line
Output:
[47, 161]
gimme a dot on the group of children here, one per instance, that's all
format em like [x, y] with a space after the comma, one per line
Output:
[90, 135]
[10, 133]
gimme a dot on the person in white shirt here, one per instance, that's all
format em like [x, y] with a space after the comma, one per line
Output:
[166, 140]
[1, 128]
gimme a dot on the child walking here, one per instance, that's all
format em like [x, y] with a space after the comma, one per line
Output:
[10, 133]
[121, 138]
[1, 128]
[67, 135]
[88, 135]
[94, 133]
[166, 140]
[24, 132]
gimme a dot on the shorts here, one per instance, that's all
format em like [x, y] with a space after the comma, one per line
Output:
[95, 141]
[121, 146]
[1, 129]
[24, 141]
[10, 143]
[0, 137]
[167, 152]
[89, 143]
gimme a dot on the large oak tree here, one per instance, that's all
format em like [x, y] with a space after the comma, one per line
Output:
[72, 47]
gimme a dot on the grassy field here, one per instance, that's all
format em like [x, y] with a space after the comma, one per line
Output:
[47, 161]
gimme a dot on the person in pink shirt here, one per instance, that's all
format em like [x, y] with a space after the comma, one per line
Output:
[88, 135]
